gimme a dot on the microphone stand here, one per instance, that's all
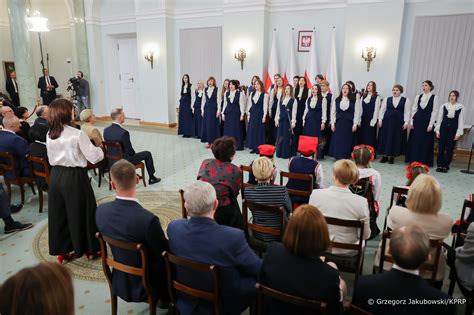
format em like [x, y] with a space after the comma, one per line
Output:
[468, 171]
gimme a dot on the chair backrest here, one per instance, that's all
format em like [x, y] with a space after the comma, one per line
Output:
[430, 266]
[211, 296]
[7, 163]
[110, 147]
[309, 304]
[302, 177]
[184, 212]
[396, 191]
[459, 234]
[245, 184]
[108, 262]
[252, 206]
[362, 188]
[43, 163]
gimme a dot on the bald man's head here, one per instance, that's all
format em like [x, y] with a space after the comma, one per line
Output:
[6, 111]
[409, 246]
[117, 115]
[11, 123]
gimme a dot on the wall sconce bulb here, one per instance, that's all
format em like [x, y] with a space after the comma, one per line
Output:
[149, 57]
[240, 55]
[369, 54]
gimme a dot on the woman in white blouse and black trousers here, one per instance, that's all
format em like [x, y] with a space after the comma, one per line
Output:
[71, 201]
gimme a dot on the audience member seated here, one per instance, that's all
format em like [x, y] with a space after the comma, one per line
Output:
[44, 289]
[465, 260]
[339, 202]
[88, 117]
[305, 164]
[13, 143]
[397, 291]
[115, 132]
[423, 206]
[297, 266]
[412, 171]
[201, 239]
[126, 220]
[5, 111]
[362, 156]
[226, 179]
[42, 113]
[266, 193]
[6, 211]
[38, 133]
[265, 150]
[23, 114]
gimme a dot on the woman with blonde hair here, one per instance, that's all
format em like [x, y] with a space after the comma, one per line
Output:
[423, 206]
[297, 265]
[87, 116]
[196, 109]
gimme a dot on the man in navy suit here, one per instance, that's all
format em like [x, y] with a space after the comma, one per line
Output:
[400, 290]
[47, 85]
[126, 220]
[115, 132]
[13, 143]
[201, 239]
[12, 89]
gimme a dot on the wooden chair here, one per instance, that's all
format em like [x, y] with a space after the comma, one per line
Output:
[279, 211]
[396, 190]
[356, 268]
[43, 164]
[245, 169]
[308, 304]
[184, 212]
[117, 146]
[98, 166]
[174, 285]
[431, 266]
[10, 165]
[302, 177]
[142, 271]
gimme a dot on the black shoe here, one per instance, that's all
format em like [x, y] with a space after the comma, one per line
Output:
[253, 151]
[154, 180]
[384, 159]
[445, 170]
[16, 207]
[439, 169]
[17, 226]
[391, 160]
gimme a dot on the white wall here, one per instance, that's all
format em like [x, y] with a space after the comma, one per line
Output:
[6, 52]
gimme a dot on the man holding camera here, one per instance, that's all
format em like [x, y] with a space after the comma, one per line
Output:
[82, 93]
[48, 85]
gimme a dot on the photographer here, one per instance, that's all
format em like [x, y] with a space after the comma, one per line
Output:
[82, 92]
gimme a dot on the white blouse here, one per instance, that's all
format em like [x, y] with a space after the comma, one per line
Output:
[210, 89]
[396, 101]
[231, 98]
[312, 104]
[293, 112]
[73, 148]
[344, 105]
[255, 100]
[373, 121]
[452, 108]
[424, 102]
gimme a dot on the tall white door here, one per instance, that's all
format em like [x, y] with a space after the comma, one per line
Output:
[128, 76]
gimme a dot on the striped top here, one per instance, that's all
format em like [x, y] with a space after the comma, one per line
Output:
[270, 195]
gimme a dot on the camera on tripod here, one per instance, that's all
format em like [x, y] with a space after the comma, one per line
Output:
[73, 85]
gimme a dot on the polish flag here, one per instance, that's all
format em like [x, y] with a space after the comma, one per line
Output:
[331, 71]
[291, 67]
[311, 65]
[272, 65]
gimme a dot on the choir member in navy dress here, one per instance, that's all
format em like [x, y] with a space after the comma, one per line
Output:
[314, 117]
[196, 108]
[424, 114]
[256, 113]
[233, 114]
[210, 113]
[448, 129]
[370, 104]
[224, 90]
[394, 117]
[353, 89]
[285, 121]
[274, 100]
[301, 95]
[250, 89]
[344, 112]
[305, 164]
[327, 132]
[185, 126]
[243, 89]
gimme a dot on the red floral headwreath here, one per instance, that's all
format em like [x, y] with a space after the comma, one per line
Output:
[364, 146]
[413, 165]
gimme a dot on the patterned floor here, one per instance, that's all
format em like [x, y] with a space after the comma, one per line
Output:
[177, 161]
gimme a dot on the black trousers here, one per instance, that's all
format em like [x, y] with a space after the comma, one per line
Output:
[71, 212]
[230, 215]
[446, 145]
[144, 156]
[5, 210]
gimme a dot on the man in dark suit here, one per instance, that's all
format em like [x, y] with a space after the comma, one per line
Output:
[47, 85]
[115, 132]
[42, 113]
[11, 142]
[201, 239]
[401, 290]
[12, 89]
[126, 220]
[6, 211]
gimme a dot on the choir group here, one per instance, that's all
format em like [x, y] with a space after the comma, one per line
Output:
[392, 125]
